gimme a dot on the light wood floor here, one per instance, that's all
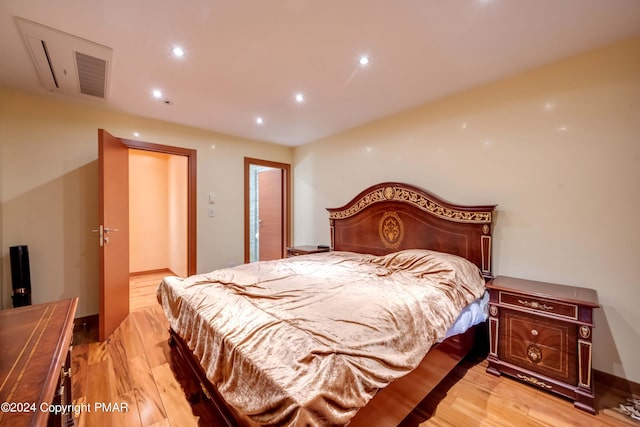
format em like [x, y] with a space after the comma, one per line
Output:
[136, 366]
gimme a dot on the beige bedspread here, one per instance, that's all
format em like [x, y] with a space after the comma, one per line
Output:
[308, 340]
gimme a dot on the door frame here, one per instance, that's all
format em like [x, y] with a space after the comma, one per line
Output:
[192, 176]
[286, 202]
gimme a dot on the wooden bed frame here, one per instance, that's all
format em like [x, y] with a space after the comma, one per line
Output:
[385, 218]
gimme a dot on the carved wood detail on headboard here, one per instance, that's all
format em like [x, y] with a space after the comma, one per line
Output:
[392, 216]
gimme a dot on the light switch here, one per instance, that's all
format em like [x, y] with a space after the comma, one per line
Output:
[211, 211]
[212, 197]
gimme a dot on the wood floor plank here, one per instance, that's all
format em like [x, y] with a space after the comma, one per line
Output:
[147, 395]
[506, 408]
[97, 352]
[123, 346]
[152, 334]
[142, 289]
[178, 409]
[128, 415]
[98, 391]
[79, 417]
[79, 369]
[162, 423]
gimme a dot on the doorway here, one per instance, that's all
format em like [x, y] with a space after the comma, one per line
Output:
[267, 206]
[113, 229]
[157, 213]
[189, 156]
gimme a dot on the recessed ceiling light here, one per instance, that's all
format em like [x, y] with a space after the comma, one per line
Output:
[177, 51]
[299, 97]
[364, 60]
[157, 93]
[136, 134]
[259, 120]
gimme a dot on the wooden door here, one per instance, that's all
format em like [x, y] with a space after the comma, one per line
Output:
[270, 206]
[284, 206]
[113, 183]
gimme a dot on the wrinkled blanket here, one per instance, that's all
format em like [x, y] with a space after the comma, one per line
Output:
[309, 340]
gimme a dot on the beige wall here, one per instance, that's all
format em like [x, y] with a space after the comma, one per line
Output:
[557, 148]
[49, 179]
[177, 214]
[149, 203]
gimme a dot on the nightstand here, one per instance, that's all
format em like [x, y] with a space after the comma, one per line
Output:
[541, 333]
[306, 250]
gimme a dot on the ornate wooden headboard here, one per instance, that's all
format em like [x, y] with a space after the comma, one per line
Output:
[392, 216]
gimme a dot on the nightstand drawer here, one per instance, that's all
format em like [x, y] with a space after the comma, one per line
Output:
[542, 346]
[540, 305]
[547, 332]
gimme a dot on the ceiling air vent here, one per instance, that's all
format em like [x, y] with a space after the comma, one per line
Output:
[92, 73]
[65, 63]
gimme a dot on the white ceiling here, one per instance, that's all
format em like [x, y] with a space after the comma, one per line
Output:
[248, 58]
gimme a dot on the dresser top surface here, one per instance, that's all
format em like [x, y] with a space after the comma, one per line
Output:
[566, 293]
[35, 340]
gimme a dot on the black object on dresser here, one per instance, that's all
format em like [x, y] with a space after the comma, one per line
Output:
[20, 275]
[541, 333]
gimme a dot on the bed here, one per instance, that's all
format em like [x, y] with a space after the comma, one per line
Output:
[324, 339]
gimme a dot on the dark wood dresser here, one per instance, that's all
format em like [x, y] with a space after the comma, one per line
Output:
[541, 333]
[35, 368]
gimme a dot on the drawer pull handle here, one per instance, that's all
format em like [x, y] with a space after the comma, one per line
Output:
[535, 305]
[534, 354]
[535, 381]
[585, 332]
[534, 332]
